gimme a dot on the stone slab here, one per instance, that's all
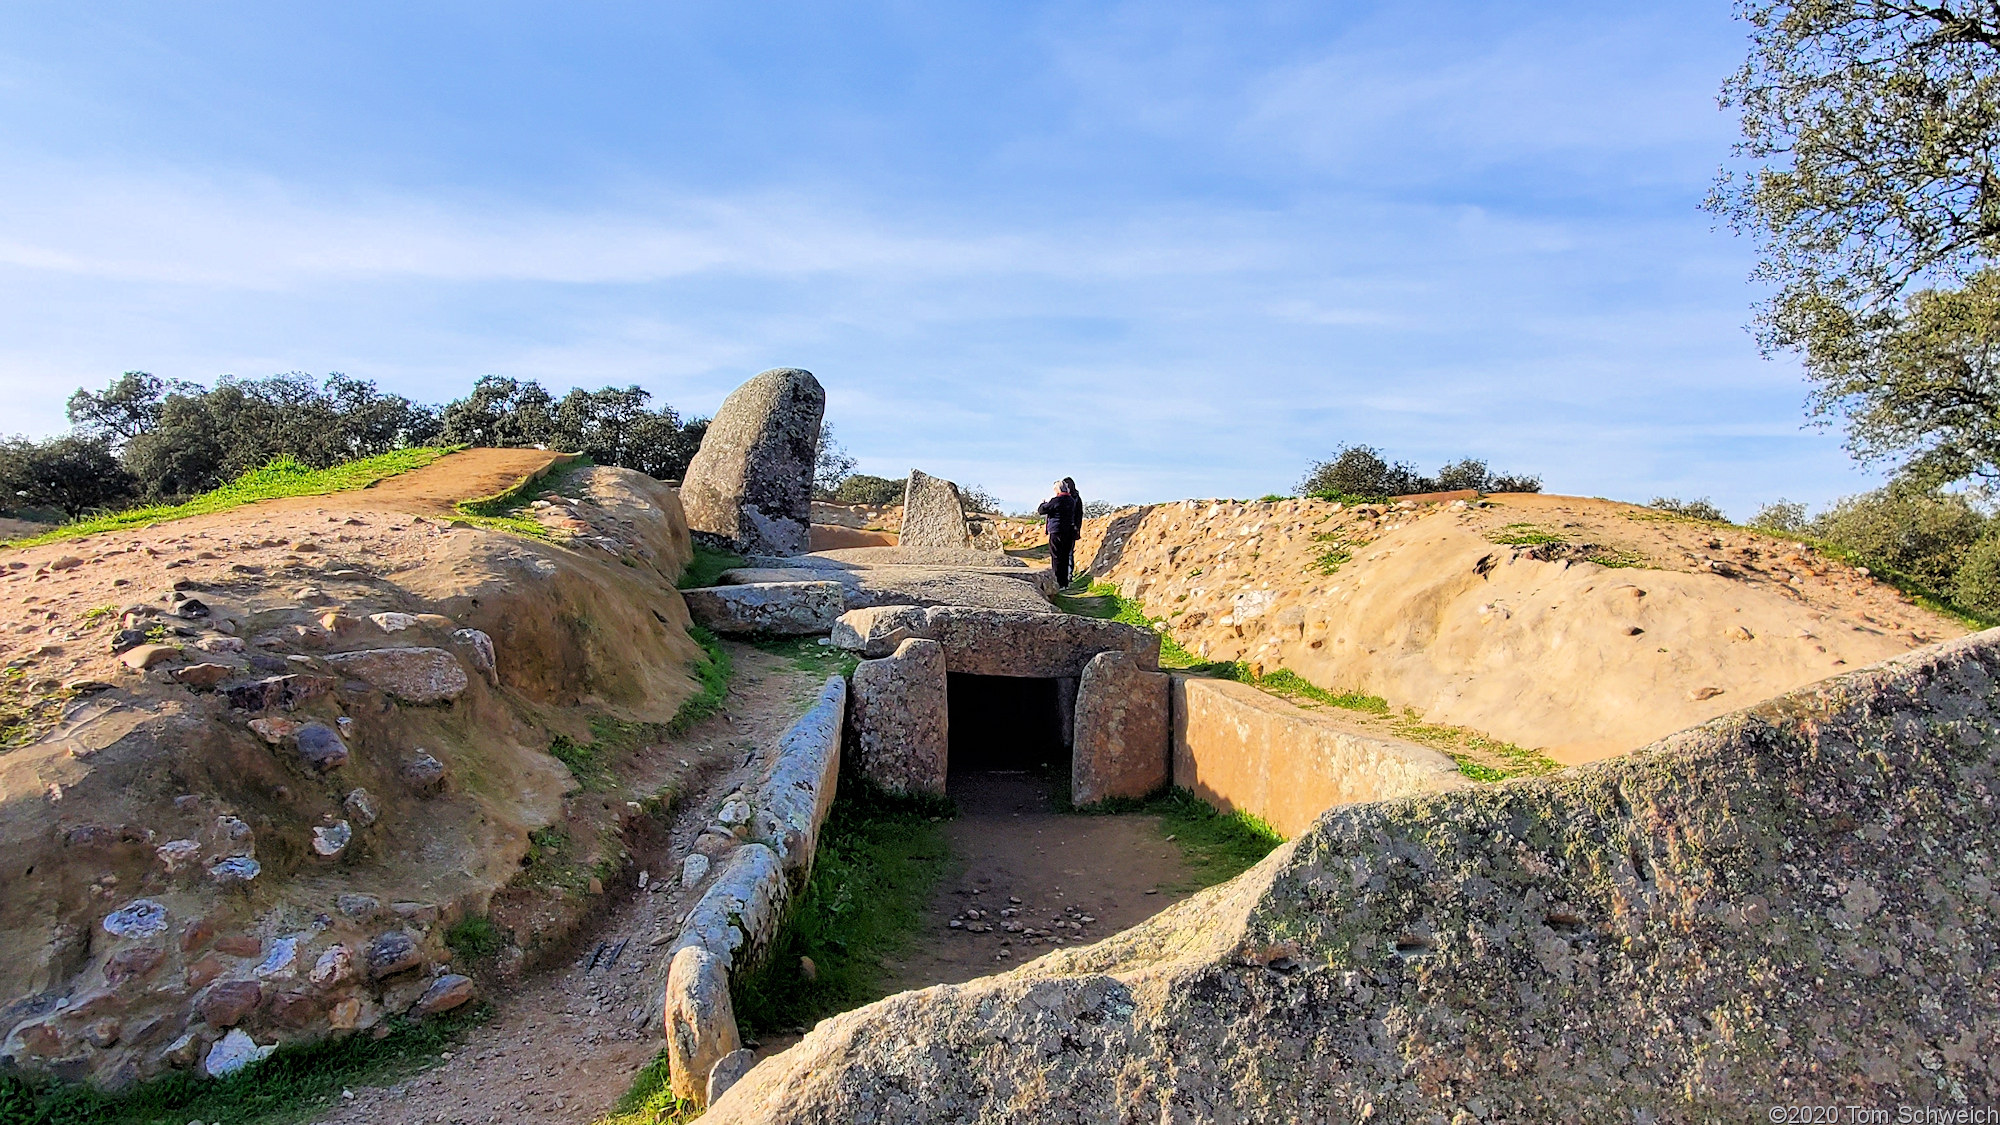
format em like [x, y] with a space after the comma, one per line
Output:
[1122, 736]
[991, 642]
[897, 723]
[933, 514]
[787, 609]
[751, 481]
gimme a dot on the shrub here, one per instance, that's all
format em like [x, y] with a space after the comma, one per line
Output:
[1360, 472]
[1976, 586]
[1700, 509]
[1923, 533]
[1781, 515]
[872, 491]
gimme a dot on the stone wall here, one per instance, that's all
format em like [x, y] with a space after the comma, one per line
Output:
[732, 923]
[1793, 904]
[1241, 749]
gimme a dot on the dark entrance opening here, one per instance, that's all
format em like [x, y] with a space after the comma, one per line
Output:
[1003, 723]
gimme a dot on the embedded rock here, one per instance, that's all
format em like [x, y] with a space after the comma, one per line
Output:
[896, 719]
[878, 631]
[330, 840]
[424, 774]
[751, 481]
[447, 992]
[201, 677]
[391, 953]
[137, 919]
[413, 675]
[933, 514]
[994, 642]
[234, 1052]
[151, 656]
[700, 1022]
[1122, 734]
[1796, 897]
[286, 691]
[224, 1004]
[787, 609]
[361, 806]
[729, 1070]
[320, 747]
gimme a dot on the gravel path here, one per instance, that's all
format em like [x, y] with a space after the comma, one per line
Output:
[564, 1045]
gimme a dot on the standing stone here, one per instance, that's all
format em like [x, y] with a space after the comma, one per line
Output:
[896, 716]
[701, 1023]
[751, 481]
[1123, 735]
[933, 514]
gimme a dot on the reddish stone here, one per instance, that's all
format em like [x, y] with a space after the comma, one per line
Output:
[41, 1040]
[447, 992]
[203, 971]
[239, 945]
[298, 1010]
[132, 964]
[197, 935]
[225, 1005]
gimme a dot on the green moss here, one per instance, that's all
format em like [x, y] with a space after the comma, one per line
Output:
[298, 1083]
[285, 476]
[1216, 846]
[706, 567]
[879, 859]
[474, 938]
[1479, 757]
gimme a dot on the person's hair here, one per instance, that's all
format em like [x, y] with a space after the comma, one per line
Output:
[1069, 486]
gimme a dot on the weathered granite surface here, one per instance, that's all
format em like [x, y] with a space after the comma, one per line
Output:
[1793, 904]
[933, 514]
[751, 481]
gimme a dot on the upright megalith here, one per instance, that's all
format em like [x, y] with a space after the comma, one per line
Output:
[897, 721]
[933, 514]
[751, 482]
[1122, 739]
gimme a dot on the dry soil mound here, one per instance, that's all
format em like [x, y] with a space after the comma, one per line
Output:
[1582, 627]
[1794, 904]
[332, 742]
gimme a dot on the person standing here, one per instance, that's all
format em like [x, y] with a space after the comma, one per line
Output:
[1062, 516]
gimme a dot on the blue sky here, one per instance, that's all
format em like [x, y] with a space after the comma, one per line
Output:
[1169, 249]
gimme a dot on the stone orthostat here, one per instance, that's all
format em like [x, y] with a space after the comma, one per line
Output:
[751, 481]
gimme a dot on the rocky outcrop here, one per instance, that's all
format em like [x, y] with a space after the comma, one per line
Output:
[1791, 904]
[751, 481]
[1241, 749]
[933, 514]
[785, 609]
[896, 719]
[413, 675]
[1121, 730]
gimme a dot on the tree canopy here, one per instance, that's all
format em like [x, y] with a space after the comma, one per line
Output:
[1872, 128]
[1361, 471]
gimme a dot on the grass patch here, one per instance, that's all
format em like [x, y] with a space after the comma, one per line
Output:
[474, 938]
[1911, 588]
[707, 565]
[808, 655]
[507, 510]
[298, 1083]
[1479, 757]
[880, 857]
[1216, 846]
[1523, 535]
[1348, 498]
[24, 713]
[651, 1100]
[590, 762]
[712, 670]
[285, 476]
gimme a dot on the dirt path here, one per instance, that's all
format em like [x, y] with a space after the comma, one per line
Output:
[566, 1043]
[1066, 879]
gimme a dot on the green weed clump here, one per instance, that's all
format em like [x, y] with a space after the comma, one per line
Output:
[651, 1099]
[880, 857]
[707, 565]
[285, 476]
[508, 511]
[1217, 846]
[474, 938]
[808, 655]
[1523, 535]
[300, 1082]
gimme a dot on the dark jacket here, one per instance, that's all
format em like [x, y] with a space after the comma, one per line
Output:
[1063, 516]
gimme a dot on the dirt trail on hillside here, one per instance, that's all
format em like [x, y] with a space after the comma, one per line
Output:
[564, 1045]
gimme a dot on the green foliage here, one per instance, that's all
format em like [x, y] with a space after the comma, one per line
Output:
[299, 1083]
[474, 938]
[875, 492]
[1699, 509]
[651, 1099]
[1360, 474]
[1479, 757]
[180, 438]
[1874, 196]
[282, 477]
[1976, 586]
[1923, 533]
[508, 511]
[831, 466]
[1783, 516]
[70, 474]
[612, 426]
[1271, 498]
[879, 858]
[707, 565]
[582, 759]
[99, 614]
[1331, 559]
[712, 671]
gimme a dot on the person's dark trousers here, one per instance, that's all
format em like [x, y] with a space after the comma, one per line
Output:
[1062, 554]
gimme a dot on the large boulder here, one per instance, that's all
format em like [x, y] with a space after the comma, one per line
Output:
[700, 1021]
[1122, 734]
[1796, 898]
[751, 481]
[413, 675]
[788, 609]
[896, 719]
[933, 514]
